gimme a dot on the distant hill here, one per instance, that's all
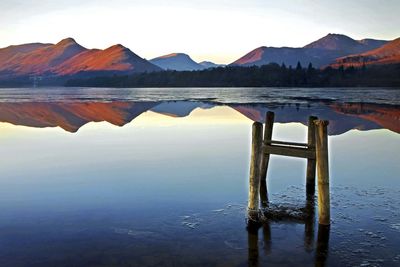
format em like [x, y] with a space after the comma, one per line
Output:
[386, 54]
[177, 61]
[320, 53]
[209, 64]
[67, 57]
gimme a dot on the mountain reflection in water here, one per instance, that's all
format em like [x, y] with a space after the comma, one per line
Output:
[70, 116]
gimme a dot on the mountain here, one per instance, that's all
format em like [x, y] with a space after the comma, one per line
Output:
[67, 57]
[115, 58]
[43, 59]
[345, 44]
[320, 53]
[386, 54]
[265, 55]
[177, 61]
[209, 64]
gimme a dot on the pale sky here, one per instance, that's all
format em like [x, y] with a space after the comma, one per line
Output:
[216, 30]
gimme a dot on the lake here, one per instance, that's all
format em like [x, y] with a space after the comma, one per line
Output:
[159, 177]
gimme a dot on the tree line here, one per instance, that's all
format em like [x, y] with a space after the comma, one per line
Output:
[271, 75]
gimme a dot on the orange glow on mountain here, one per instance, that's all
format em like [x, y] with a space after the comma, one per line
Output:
[41, 60]
[251, 57]
[386, 54]
[169, 55]
[115, 58]
[68, 57]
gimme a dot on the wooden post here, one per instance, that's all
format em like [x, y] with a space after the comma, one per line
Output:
[269, 124]
[310, 176]
[321, 137]
[254, 179]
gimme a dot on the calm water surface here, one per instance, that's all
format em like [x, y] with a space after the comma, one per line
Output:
[159, 177]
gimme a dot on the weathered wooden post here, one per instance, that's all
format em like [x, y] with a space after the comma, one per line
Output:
[310, 176]
[254, 179]
[315, 151]
[321, 136]
[269, 124]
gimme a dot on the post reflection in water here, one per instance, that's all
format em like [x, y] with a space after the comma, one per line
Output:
[309, 224]
[321, 253]
[320, 246]
[252, 238]
[267, 237]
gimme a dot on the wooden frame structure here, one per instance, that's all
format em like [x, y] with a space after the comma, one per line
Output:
[315, 151]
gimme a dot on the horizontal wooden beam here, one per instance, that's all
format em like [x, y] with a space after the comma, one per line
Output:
[271, 142]
[308, 153]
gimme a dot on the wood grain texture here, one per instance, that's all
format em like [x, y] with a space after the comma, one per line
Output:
[311, 163]
[255, 163]
[322, 172]
[269, 124]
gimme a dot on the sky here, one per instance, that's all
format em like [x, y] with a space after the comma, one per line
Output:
[215, 30]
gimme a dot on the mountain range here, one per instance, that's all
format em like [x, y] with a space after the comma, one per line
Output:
[67, 58]
[319, 53]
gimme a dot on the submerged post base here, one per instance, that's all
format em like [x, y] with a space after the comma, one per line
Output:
[253, 215]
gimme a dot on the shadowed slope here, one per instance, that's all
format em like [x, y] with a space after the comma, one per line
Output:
[209, 64]
[345, 44]
[176, 61]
